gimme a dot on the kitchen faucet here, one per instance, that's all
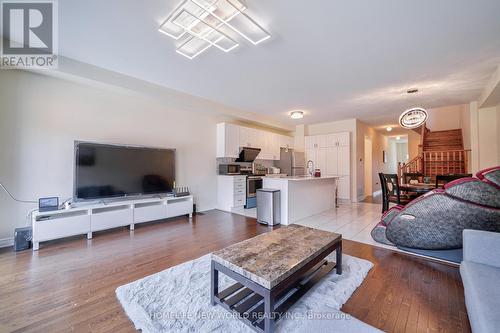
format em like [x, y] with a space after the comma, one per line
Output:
[310, 170]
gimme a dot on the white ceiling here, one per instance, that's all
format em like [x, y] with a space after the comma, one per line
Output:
[336, 59]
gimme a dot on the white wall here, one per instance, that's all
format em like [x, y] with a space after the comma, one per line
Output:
[445, 118]
[40, 118]
[489, 137]
[413, 143]
[484, 133]
[379, 143]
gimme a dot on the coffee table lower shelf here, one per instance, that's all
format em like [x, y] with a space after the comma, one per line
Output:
[260, 308]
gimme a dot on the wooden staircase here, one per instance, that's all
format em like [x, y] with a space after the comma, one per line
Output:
[441, 153]
[443, 140]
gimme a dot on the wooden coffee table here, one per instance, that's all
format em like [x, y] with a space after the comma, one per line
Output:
[267, 267]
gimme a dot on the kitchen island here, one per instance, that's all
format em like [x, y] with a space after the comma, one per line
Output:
[303, 196]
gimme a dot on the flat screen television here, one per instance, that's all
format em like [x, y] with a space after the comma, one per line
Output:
[112, 171]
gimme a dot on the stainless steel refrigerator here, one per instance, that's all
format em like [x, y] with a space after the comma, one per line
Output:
[291, 162]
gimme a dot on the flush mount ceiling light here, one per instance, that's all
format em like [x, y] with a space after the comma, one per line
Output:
[201, 24]
[389, 128]
[413, 118]
[297, 114]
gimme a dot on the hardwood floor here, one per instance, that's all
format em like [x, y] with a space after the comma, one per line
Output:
[69, 285]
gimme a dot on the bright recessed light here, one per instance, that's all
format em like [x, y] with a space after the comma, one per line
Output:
[398, 138]
[389, 128]
[297, 114]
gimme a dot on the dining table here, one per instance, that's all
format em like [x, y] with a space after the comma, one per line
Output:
[419, 188]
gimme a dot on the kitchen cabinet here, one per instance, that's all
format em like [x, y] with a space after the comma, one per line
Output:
[231, 192]
[248, 137]
[331, 154]
[230, 138]
[272, 149]
[286, 141]
[315, 141]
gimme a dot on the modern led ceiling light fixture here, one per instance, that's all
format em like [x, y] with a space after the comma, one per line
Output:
[201, 24]
[413, 117]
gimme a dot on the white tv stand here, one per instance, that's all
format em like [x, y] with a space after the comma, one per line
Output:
[96, 217]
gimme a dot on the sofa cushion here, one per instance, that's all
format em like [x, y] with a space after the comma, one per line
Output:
[482, 296]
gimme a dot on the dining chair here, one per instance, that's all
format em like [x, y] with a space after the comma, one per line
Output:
[441, 180]
[409, 176]
[383, 186]
[393, 192]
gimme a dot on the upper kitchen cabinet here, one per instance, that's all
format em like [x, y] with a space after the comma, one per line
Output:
[337, 139]
[286, 141]
[315, 141]
[228, 136]
[248, 137]
[269, 145]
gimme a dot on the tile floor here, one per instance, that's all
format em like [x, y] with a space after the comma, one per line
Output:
[354, 221]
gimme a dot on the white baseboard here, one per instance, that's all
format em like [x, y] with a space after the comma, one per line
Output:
[6, 242]
[379, 192]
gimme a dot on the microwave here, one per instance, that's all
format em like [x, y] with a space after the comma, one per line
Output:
[229, 169]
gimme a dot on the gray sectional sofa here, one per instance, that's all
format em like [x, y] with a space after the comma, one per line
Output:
[480, 271]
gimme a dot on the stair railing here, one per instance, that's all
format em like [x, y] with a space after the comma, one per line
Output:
[446, 162]
[412, 166]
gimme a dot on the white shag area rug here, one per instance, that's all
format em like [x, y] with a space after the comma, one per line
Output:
[178, 300]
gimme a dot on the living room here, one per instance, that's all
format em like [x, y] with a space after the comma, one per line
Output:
[142, 167]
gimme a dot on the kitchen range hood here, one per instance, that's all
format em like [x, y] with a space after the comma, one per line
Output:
[248, 154]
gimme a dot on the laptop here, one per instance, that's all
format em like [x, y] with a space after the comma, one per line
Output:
[48, 204]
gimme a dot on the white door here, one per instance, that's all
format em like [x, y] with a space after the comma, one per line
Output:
[343, 139]
[332, 161]
[331, 140]
[320, 141]
[310, 142]
[344, 160]
[320, 162]
[310, 155]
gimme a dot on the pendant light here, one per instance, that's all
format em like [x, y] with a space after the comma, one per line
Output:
[413, 117]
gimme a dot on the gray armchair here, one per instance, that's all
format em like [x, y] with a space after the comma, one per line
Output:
[480, 271]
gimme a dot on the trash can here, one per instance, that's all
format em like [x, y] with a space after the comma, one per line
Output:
[268, 206]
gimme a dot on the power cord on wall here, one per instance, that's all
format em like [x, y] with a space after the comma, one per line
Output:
[15, 199]
[30, 212]
[28, 215]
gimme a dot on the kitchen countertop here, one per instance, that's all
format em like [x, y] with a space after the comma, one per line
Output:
[302, 178]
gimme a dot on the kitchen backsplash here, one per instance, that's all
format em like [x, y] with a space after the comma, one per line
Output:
[230, 160]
